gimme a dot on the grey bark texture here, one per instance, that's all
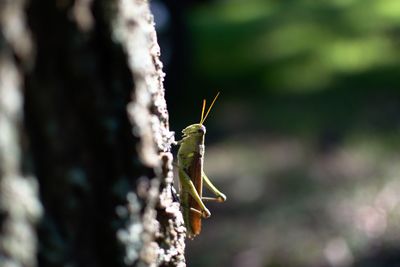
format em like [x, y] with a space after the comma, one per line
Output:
[85, 163]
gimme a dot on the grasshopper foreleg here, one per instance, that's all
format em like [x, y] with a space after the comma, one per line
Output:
[177, 143]
[220, 197]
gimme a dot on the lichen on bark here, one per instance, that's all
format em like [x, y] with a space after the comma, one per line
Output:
[20, 208]
[134, 27]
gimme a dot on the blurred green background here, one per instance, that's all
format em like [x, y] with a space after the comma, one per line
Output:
[304, 139]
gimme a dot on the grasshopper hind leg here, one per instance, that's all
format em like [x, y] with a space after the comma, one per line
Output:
[220, 197]
[205, 213]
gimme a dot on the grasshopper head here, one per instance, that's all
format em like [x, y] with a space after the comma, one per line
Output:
[196, 129]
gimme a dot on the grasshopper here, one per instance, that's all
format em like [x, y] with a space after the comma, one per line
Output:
[191, 175]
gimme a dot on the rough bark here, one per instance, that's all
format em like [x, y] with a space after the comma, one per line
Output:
[19, 205]
[83, 118]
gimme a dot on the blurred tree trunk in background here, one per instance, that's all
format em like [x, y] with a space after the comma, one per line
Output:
[85, 162]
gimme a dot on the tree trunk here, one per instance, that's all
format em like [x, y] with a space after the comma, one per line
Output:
[86, 169]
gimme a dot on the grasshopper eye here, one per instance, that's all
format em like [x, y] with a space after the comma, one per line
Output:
[201, 130]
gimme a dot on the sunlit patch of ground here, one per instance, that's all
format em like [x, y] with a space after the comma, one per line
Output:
[292, 204]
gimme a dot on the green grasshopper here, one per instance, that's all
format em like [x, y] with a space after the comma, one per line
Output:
[191, 175]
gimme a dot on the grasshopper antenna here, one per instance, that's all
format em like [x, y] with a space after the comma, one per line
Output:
[209, 109]
[202, 111]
